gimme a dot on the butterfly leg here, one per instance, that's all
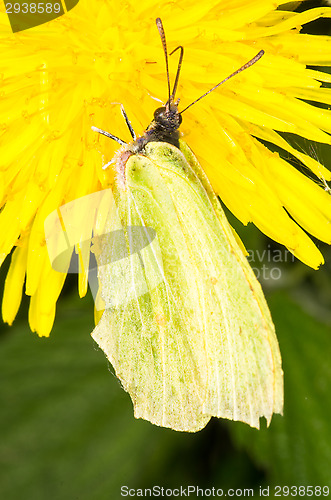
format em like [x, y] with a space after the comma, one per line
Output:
[111, 136]
[114, 137]
[127, 121]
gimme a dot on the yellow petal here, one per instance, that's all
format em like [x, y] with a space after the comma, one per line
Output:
[14, 284]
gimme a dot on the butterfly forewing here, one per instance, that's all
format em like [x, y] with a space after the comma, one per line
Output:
[186, 327]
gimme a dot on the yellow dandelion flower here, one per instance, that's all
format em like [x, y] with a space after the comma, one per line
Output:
[61, 78]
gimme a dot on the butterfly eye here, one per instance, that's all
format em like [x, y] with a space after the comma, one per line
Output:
[159, 114]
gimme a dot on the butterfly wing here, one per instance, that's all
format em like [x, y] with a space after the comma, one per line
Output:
[186, 327]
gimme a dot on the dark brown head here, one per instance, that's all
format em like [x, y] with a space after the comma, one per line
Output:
[165, 125]
[168, 117]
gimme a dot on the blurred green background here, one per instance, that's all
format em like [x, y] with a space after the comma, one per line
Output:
[67, 426]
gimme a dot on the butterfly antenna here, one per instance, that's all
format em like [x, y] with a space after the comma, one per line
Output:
[174, 90]
[245, 66]
[164, 44]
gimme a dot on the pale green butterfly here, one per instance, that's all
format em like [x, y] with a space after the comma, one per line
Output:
[186, 326]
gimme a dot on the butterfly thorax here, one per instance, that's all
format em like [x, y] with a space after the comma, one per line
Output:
[163, 128]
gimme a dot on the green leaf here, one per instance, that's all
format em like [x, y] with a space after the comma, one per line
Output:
[68, 429]
[296, 449]
[67, 426]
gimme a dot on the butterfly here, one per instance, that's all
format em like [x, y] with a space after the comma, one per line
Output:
[186, 325]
